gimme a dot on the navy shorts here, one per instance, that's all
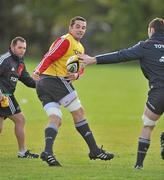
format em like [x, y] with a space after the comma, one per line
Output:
[155, 101]
[53, 89]
[12, 109]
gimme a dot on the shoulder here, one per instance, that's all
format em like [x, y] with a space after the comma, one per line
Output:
[143, 44]
[61, 41]
[4, 57]
[149, 42]
[140, 43]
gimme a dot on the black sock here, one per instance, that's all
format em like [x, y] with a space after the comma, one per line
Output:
[162, 139]
[143, 146]
[83, 128]
[162, 145]
[50, 135]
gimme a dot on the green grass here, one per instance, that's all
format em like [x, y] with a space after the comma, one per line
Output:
[113, 97]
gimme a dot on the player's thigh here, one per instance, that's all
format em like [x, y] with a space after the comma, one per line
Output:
[1, 123]
[53, 89]
[18, 119]
[155, 104]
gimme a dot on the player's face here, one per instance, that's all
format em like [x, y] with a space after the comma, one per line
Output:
[78, 29]
[19, 49]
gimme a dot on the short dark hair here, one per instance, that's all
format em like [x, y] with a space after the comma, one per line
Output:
[158, 25]
[16, 39]
[80, 18]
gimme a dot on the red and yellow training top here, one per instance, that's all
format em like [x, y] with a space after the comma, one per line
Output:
[54, 61]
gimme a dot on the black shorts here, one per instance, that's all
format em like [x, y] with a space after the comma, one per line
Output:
[53, 89]
[155, 101]
[13, 108]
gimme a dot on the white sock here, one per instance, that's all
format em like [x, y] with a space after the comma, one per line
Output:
[22, 153]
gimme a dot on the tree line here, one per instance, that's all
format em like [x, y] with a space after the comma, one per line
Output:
[112, 24]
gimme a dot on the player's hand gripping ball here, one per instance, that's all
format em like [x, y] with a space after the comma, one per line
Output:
[73, 64]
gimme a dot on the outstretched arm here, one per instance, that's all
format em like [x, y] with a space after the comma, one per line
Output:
[132, 53]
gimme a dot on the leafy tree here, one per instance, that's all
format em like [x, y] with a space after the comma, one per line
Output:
[112, 24]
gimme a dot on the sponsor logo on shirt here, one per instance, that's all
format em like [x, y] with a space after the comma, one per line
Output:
[14, 79]
[12, 69]
[161, 59]
[159, 46]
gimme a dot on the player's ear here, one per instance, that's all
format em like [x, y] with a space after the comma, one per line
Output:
[12, 48]
[70, 27]
[153, 30]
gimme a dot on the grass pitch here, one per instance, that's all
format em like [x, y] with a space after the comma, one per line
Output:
[113, 97]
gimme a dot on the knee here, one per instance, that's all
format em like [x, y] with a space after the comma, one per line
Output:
[53, 119]
[78, 115]
[147, 122]
[20, 121]
[59, 123]
[81, 112]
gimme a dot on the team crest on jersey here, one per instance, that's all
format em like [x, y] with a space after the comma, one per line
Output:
[161, 59]
[20, 69]
[12, 69]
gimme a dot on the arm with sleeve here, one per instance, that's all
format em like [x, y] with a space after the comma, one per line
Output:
[132, 53]
[57, 50]
[26, 79]
[3, 66]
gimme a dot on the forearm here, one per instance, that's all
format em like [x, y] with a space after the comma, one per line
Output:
[124, 55]
[109, 58]
[29, 82]
[131, 53]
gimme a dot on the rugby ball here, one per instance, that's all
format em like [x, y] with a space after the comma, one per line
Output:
[73, 64]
